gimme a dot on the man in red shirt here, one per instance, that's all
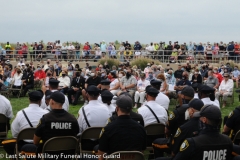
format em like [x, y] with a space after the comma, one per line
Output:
[236, 50]
[39, 75]
[217, 75]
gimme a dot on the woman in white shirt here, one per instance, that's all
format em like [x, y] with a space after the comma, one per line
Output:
[141, 86]
[114, 85]
[17, 77]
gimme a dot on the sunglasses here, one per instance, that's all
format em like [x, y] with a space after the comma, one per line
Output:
[225, 76]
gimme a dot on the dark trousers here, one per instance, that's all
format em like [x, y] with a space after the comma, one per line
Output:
[76, 95]
[64, 90]
[26, 88]
[160, 146]
[10, 147]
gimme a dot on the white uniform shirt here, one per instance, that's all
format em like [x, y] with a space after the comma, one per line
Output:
[64, 81]
[147, 115]
[34, 114]
[226, 86]
[208, 101]
[97, 114]
[110, 107]
[6, 107]
[196, 95]
[162, 100]
[65, 105]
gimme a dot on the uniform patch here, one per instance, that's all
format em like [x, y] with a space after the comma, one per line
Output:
[39, 123]
[184, 145]
[101, 133]
[171, 116]
[178, 132]
[230, 114]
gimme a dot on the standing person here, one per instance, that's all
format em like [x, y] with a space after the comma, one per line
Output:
[215, 52]
[122, 134]
[64, 50]
[71, 50]
[58, 49]
[141, 86]
[25, 51]
[31, 52]
[78, 83]
[210, 143]
[103, 47]
[78, 54]
[230, 49]
[40, 47]
[209, 52]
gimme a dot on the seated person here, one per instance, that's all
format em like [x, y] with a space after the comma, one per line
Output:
[4, 83]
[196, 77]
[236, 75]
[28, 80]
[64, 82]
[39, 75]
[107, 97]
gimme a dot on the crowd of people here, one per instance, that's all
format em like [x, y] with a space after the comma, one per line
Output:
[110, 94]
[172, 52]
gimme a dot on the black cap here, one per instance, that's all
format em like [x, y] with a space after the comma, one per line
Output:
[105, 82]
[196, 86]
[58, 97]
[209, 111]
[106, 95]
[93, 90]
[188, 91]
[153, 92]
[124, 101]
[155, 82]
[206, 89]
[53, 81]
[196, 104]
[48, 94]
[35, 96]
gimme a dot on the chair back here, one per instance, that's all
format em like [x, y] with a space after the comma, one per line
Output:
[91, 133]
[155, 129]
[236, 137]
[26, 133]
[4, 123]
[126, 155]
[60, 144]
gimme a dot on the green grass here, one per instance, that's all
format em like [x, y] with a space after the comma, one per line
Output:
[20, 103]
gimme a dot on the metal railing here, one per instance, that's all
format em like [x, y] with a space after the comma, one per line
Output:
[164, 56]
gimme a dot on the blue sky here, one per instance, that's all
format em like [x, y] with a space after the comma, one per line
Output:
[110, 20]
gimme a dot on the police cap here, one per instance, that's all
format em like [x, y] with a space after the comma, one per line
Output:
[35, 96]
[153, 92]
[105, 82]
[93, 90]
[210, 112]
[58, 97]
[53, 81]
[48, 94]
[188, 91]
[125, 102]
[206, 89]
[155, 82]
[106, 95]
[196, 104]
[196, 86]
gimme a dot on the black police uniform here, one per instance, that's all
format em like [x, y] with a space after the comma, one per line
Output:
[233, 122]
[77, 82]
[123, 134]
[208, 145]
[29, 77]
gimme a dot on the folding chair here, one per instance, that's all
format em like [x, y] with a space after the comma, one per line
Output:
[126, 155]
[6, 92]
[60, 144]
[89, 133]
[157, 130]
[16, 89]
[4, 124]
[25, 134]
[236, 137]
[230, 99]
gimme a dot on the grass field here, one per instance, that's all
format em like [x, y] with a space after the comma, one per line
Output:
[20, 103]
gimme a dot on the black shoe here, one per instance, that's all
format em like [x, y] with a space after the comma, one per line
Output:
[237, 90]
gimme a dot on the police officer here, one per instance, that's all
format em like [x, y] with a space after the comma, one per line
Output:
[78, 83]
[58, 122]
[123, 134]
[33, 112]
[151, 108]
[135, 116]
[53, 87]
[232, 123]
[94, 114]
[196, 87]
[105, 85]
[107, 96]
[207, 95]
[161, 98]
[176, 117]
[47, 100]
[28, 80]
[210, 144]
